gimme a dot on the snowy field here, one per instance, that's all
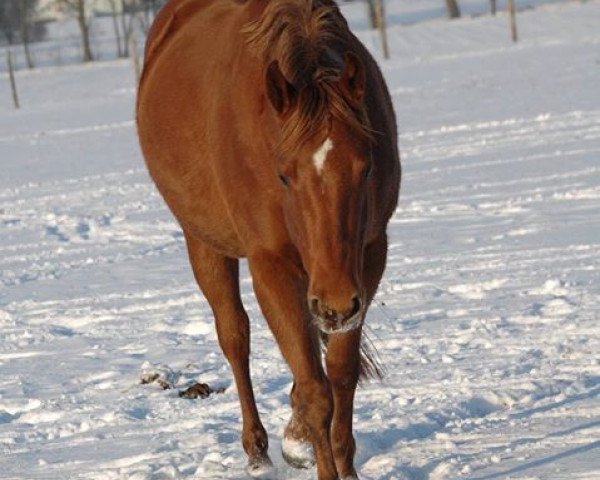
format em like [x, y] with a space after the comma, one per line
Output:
[487, 319]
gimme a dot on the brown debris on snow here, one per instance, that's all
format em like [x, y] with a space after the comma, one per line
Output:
[201, 390]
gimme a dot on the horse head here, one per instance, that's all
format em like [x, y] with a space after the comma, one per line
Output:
[325, 167]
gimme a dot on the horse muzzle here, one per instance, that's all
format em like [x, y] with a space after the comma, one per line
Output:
[331, 321]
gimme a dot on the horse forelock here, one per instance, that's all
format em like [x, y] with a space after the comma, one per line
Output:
[308, 39]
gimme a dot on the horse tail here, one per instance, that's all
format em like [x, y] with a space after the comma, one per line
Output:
[370, 363]
[370, 366]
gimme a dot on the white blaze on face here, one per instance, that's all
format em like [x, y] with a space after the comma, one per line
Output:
[321, 154]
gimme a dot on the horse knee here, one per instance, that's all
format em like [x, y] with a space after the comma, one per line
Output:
[234, 337]
[235, 352]
[342, 445]
[316, 405]
[343, 376]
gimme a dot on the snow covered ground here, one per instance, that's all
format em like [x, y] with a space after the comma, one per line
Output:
[487, 318]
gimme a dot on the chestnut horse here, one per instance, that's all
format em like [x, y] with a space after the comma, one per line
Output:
[270, 133]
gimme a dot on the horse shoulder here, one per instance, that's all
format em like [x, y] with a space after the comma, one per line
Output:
[170, 17]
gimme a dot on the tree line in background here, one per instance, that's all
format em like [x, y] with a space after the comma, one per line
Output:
[125, 14]
[19, 24]
[377, 15]
[454, 10]
[452, 7]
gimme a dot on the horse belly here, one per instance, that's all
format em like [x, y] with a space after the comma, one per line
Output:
[201, 212]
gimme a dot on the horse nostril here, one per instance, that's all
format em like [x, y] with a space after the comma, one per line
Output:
[356, 306]
[318, 309]
[314, 305]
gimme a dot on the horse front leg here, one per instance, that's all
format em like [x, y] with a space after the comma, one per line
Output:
[280, 287]
[218, 278]
[343, 369]
[343, 366]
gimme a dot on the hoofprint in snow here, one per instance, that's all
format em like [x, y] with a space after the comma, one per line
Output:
[487, 318]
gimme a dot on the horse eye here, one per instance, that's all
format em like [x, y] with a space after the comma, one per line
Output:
[284, 180]
[369, 170]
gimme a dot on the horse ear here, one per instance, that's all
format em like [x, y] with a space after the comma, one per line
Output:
[281, 93]
[354, 77]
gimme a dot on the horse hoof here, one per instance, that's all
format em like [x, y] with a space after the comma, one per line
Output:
[261, 468]
[298, 454]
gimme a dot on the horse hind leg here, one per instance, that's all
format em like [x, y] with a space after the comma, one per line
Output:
[218, 278]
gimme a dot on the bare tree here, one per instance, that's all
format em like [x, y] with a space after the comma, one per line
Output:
[150, 9]
[11, 76]
[82, 11]
[114, 11]
[8, 21]
[124, 14]
[128, 16]
[16, 21]
[153, 6]
[453, 9]
[26, 9]
[372, 13]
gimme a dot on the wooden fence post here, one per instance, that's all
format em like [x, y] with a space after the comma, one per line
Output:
[11, 76]
[380, 18]
[453, 9]
[513, 20]
[372, 16]
[133, 51]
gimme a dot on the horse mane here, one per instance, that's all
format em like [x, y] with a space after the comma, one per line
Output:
[308, 39]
